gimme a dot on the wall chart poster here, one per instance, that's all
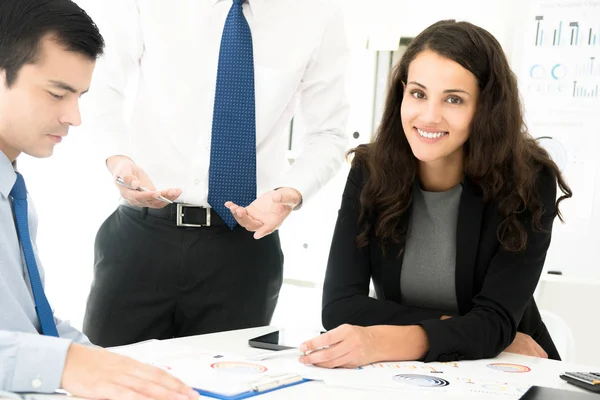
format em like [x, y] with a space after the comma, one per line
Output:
[559, 79]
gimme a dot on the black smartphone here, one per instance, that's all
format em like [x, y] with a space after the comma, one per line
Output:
[545, 393]
[283, 339]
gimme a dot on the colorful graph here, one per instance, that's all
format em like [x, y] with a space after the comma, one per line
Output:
[239, 367]
[507, 391]
[386, 365]
[553, 72]
[561, 62]
[512, 368]
[405, 366]
[453, 364]
[580, 90]
[161, 366]
[495, 387]
[588, 69]
[421, 380]
[503, 388]
[565, 33]
[555, 149]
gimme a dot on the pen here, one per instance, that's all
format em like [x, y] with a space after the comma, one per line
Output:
[279, 381]
[121, 182]
[272, 354]
[281, 353]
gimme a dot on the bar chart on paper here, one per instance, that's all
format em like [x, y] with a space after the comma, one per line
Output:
[589, 68]
[565, 33]
[583, 91]
[561, 57]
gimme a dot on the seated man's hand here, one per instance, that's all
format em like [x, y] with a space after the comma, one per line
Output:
[525, 345]
[99, 374]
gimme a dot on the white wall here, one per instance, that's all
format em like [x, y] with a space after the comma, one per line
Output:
[408, 18]
[73, 195]
[571, 299]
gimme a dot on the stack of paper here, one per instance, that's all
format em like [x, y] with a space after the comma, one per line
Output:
[216, 373]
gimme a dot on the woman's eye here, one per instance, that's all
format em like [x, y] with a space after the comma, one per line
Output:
[454, 100]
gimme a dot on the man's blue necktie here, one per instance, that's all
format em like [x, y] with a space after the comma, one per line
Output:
[232, 172]
[42, 307]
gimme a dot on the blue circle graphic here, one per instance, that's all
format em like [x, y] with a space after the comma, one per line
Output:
[558, 72]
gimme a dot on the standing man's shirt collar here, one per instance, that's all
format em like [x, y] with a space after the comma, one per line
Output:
[255, 5]
[8, 176]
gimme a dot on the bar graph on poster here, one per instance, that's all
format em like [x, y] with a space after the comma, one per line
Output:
[559, 79]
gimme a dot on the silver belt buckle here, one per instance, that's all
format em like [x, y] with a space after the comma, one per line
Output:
[180, 216]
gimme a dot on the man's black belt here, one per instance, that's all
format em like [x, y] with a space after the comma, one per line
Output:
[185, 215]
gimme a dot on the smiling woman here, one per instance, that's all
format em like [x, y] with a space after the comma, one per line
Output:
[449, 212]
[438, 105]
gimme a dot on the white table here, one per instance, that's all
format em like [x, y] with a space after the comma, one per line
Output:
[237, 342]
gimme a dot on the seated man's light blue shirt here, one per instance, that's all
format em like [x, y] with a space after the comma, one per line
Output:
[29, 361]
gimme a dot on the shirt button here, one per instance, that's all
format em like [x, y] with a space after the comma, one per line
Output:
[36, 383]
[197, 181]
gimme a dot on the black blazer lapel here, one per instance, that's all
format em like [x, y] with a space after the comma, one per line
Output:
[468, 227]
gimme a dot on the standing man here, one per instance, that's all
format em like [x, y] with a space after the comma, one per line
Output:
[48, 49]
[219, 81]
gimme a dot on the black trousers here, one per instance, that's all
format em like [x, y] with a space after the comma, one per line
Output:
[154, 280]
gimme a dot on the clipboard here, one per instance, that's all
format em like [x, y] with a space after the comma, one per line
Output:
[250, 393]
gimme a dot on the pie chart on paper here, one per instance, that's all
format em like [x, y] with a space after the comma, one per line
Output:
[555, 149]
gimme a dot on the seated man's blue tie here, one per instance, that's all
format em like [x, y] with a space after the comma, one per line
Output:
[232, 172]
[42, 307]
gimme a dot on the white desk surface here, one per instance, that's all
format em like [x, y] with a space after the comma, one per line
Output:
[236, 342]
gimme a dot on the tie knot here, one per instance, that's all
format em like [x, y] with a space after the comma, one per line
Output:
[238, 2]
[19, 190]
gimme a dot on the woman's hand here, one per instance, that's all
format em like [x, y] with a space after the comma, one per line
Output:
[346, 346]
[524, 344]
[351, 346]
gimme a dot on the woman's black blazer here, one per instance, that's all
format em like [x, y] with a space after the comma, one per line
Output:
[494, 287]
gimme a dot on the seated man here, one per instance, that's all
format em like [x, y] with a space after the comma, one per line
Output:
[48, 49]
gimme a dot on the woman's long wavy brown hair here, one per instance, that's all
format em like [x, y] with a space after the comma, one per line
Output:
[501, 157]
